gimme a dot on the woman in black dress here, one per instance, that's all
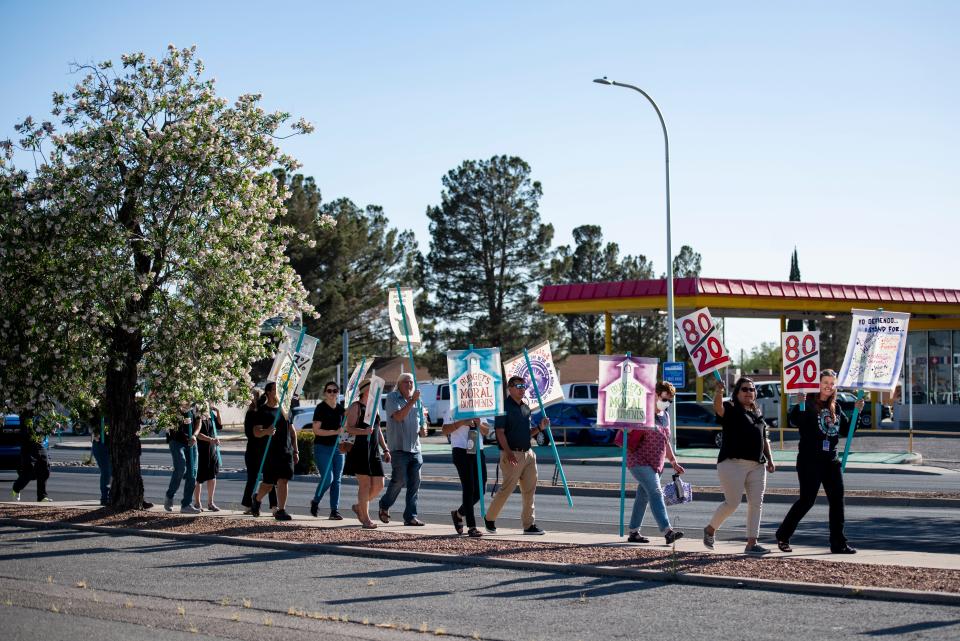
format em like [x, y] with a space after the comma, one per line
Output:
[254, 452]
[208, 460]
[821, 425]
[364, 459]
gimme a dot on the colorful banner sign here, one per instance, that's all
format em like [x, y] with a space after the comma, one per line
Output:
[699, 334]
[627, 395]
[350, 394]
[541, 360]
[291, 365]
[476, 383]
[875, 350]
[801, 361]
[402, 319]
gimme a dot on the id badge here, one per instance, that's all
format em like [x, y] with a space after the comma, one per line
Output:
[826, 445]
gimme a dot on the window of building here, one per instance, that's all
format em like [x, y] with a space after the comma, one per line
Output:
[941, 369]
[917, 347]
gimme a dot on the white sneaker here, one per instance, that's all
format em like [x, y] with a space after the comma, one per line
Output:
[189, 509]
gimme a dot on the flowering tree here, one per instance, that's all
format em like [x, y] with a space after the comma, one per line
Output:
[142, 251]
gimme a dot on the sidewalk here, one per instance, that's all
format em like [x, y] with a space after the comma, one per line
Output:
[884, 574]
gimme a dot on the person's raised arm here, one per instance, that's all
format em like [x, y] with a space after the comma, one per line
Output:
[718, 391]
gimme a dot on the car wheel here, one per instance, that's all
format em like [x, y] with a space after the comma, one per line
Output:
[718, 439]
[865, 420]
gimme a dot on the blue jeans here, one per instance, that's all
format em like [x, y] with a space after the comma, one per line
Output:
[322, 454]
[101, 453]
[184, 468]
[404, 470]
[648, 491]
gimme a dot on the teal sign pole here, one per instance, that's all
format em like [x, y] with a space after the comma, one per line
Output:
[413, 367]
[213, 427]
[553, 444]
[853, 427]
[623, 450]
[283, 396]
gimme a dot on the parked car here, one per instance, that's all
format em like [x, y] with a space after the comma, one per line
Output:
[847, 401]
[303, 416]
[10, 441]
[691, 414]
[585, 393]
[575, 422]
[768, 398]
[435, 398]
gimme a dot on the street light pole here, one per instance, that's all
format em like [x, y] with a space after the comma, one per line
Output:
[671, 342]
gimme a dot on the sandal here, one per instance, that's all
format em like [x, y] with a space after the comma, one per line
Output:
[369, 525]
[784, 546]
[457, 521]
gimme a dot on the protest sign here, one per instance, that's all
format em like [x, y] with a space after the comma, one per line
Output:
[627, 386]
[875, 350]
[541, 361]
[371, 411]
[476, 383]
[699, 334]
[801, 361]
[291, 365]
[402, 319]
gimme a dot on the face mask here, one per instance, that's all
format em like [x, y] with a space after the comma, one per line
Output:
[662, 404]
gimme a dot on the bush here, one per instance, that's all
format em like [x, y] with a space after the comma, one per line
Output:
[307, 464]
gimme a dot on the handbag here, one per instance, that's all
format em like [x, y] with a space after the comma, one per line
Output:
[677, 491]
[346, 443]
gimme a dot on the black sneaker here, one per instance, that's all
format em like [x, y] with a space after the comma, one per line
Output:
[491, 526]
[843, 549]
[281, 515]
[533, 529]
[314, 508]
[672, 536]
[636, 537]
[255, 507]
[336, 516]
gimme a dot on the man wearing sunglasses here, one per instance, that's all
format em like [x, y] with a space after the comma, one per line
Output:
[518, 463]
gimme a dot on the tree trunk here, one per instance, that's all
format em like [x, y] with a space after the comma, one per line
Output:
[123, 414]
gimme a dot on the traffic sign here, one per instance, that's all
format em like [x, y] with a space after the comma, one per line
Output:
[675, 372]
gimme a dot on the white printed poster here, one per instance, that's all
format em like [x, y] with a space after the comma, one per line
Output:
[875, 350]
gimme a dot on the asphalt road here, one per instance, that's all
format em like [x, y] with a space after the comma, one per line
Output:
[442, 466]
[62, 584]
[904, 528]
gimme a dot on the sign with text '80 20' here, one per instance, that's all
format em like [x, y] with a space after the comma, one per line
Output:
[699, 334]
[801, 361]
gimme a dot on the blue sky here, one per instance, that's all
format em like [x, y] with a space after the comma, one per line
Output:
[827, 126]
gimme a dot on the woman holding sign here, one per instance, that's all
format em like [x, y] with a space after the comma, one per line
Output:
[465, 436]
[743, 462]
[821, 425]
[363, 459]
[646, 452]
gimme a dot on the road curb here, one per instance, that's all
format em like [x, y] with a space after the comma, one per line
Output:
[548, 490]
[818, 589]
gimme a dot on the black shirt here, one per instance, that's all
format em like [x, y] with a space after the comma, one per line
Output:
[515, 424]
[744, 434]
[818, 427]
[280, 444]
[330, 419]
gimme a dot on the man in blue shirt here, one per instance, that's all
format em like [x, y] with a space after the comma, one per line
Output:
[403, 438]
[518, 463]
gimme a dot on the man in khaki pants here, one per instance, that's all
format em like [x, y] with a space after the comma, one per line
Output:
[517, 463]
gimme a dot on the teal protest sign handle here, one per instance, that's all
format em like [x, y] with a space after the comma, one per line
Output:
[276, 417]
[213, 426]
[483, 507]
[343, 421]
[553, 443]
[853, 427]
[623, 451]
[413, 367]
[102, 432]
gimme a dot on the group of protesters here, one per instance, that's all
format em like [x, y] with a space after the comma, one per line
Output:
[744, 460]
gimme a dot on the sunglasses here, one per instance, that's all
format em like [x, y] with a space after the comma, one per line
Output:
[330, 391]
[749, 390]
[520, 385]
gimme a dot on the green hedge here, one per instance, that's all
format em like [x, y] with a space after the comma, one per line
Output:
[307, 464]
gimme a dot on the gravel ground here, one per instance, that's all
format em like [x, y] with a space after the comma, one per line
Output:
[800, 570]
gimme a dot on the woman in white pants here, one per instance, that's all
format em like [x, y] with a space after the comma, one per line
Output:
[743, 462]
